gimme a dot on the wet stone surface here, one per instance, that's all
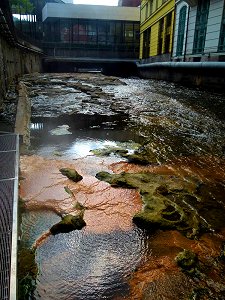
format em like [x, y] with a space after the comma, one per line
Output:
[158, 152]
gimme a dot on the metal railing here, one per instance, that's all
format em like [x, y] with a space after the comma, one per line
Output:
[9, 161]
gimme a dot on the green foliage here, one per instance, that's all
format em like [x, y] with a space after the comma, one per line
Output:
[21, 6]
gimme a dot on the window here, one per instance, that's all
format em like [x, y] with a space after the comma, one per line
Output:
[168, 31]
[201, 26]
[146, 11]
[102, 33]
[160, 36]
[146, 43]
[222, 33]
[181, 30]
[65, 31]
[150, 7]
[129, 32]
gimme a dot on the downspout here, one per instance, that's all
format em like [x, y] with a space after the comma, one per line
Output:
[140, 55]
[185, 45]
[174, 23]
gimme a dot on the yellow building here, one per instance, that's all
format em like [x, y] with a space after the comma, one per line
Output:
[156, 31]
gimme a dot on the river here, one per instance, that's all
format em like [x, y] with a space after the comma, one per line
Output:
[94, 123]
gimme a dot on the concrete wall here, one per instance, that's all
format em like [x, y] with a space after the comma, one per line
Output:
[206, 75]
[14, 62]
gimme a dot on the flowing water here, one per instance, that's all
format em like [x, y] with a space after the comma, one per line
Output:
[111, 258]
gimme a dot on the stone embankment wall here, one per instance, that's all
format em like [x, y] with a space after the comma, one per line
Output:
[14, 62]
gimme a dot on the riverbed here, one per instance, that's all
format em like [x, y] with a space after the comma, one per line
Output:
[94, 123]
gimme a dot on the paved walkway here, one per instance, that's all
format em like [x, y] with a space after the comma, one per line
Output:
[9, 161]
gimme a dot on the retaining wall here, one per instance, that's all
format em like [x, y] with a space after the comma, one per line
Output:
[206, 75]
[14, 62]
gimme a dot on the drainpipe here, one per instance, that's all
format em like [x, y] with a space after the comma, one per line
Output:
[174, 23]
[185, 45]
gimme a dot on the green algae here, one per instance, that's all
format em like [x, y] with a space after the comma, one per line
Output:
[170, 202]
[222, 255]
[72, 174]
[27, 273]
[79, 206]
[69, 223]
[188, 262]
[199, 293]
[68, 190]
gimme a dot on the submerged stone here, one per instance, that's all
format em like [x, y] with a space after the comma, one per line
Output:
[71, 174]
[61, 130]
[68, 223]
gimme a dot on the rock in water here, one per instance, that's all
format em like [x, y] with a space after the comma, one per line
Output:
[61, 130]
[71, 174]
[68, 223]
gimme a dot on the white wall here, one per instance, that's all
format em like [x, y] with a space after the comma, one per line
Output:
[214, 25]
[99, 12]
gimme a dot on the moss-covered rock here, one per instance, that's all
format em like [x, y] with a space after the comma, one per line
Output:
[121, 148]
[170, 202]
[222, 255]
[71, 174]
[188, 262]
[200, 294]
[68, 223]
[107, 151]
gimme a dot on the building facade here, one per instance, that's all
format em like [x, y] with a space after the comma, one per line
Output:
[156, 30]
[91, 30]
[199, 33]
[131, 3]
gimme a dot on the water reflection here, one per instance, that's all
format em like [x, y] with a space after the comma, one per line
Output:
[75, 136]
[83, 265]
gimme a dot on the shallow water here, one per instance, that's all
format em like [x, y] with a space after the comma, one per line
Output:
[111, 258]
[89, 266]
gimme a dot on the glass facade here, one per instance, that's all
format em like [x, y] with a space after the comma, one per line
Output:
[98, 32]
[110, 35]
